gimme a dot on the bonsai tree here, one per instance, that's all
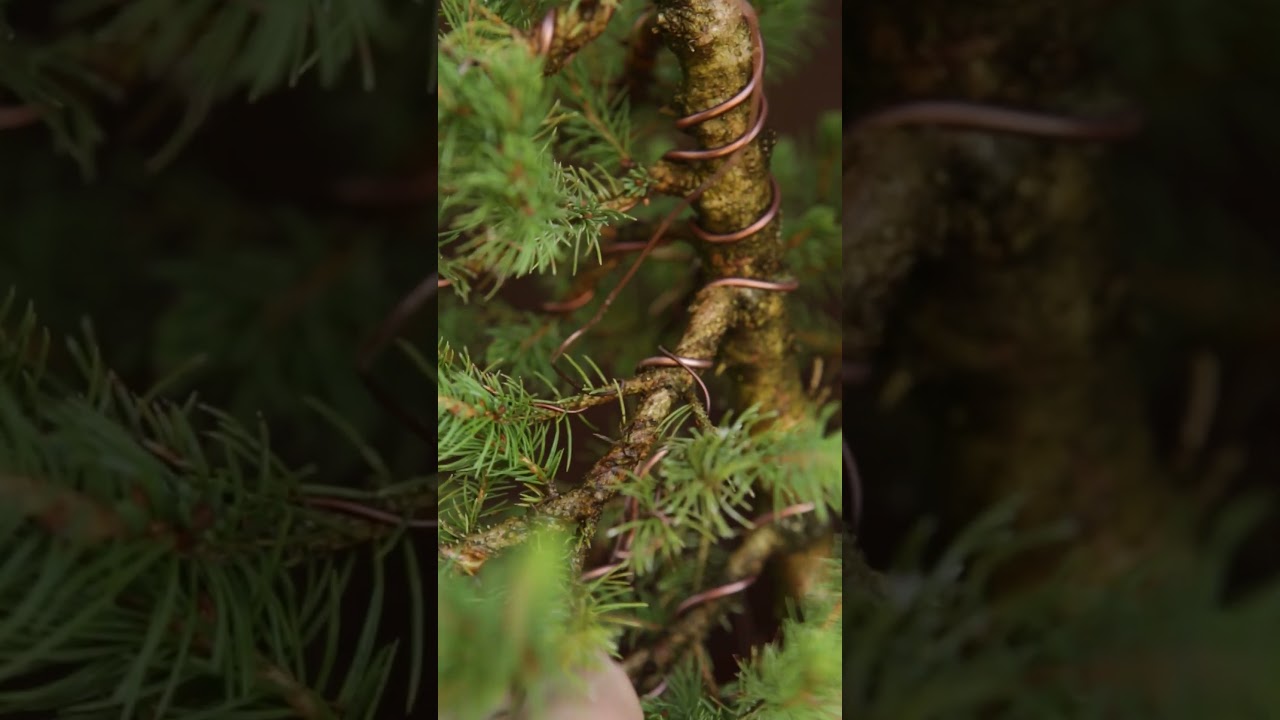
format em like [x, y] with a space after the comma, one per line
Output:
[232, 193]
[634, 409]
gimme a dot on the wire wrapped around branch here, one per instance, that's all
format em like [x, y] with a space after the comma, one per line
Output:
[974, 116]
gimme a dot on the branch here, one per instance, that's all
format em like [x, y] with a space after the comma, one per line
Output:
[713, 312]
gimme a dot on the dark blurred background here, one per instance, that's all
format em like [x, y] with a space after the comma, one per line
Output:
[1196, 252]
[816, 86]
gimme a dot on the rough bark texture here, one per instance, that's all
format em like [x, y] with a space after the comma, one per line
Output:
[712, 41]
[1019, 316]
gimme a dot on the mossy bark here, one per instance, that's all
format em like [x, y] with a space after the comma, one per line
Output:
[712, 40]
[1018, 317]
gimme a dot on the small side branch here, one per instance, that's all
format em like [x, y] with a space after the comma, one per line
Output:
[600, 396]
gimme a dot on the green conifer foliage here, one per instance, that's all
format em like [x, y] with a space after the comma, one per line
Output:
[202, 512]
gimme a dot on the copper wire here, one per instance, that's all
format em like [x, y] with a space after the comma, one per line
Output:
[568, 306]
[670, 362]
[799, 509]
[601, 571]
[653, 460]
[726, 590]
[706, 394]
[973, 116]
[622, 548]
[753, 89]
[985, 117]
[556, 408]
[784, 286]
[669, 359]
[761, 223]
[739, 585]
[756, 81]
[726, 149]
